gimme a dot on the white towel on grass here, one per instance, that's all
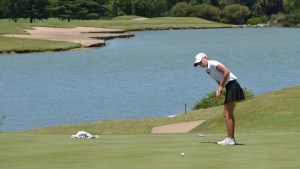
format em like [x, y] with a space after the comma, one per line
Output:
[84, 134]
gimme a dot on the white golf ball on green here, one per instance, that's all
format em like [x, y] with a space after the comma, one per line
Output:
[182, 154]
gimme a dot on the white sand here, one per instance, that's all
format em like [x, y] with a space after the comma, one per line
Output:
[139, 19]
[177, 127]
[85, 36]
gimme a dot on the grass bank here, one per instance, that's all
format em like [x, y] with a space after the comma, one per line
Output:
[125, 23]
[277, 110]
[20, 45]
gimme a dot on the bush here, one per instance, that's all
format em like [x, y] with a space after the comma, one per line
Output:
[292, 19]
[258, 20]
[254, 21]
[277, 19]
[181, 9]
[122, 7]
[206, 11]
[235, 14]
[257, 10]
[150, 8]
[2, 119]
[210, 99]
[93, 16]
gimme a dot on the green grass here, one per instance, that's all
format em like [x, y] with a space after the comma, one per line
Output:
[268, 133]
[9, 27]
[277, 110]
[21, 45]
[124, 22]
[127, 17]
[269, 150]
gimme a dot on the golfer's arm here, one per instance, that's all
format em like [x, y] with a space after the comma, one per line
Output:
[226, 73]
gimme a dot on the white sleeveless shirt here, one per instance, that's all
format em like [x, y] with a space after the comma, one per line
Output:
[215, 74]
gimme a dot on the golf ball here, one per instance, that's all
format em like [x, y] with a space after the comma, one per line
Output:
[182, 154]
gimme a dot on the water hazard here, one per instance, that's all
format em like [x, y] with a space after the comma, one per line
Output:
[151, 75]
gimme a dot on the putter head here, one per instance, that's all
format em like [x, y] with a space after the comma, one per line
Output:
[201, 135]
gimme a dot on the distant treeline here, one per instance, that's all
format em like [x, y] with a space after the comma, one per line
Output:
[286, 12]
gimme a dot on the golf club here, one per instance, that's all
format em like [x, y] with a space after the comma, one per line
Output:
[206, 125]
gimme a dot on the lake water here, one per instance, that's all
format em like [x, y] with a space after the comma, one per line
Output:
[151, 75]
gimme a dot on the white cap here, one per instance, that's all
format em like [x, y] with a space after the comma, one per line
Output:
[198, 58]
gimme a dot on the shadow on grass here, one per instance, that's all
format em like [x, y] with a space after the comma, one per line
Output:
[239, 144]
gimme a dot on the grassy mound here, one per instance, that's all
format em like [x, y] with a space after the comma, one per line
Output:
[276, 110]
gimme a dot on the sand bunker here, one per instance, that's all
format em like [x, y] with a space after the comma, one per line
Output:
[139, 19]
[86, 36]
[177, 127]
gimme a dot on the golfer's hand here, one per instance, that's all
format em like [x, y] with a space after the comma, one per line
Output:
[219, 92]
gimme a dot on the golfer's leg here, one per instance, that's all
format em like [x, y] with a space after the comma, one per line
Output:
[229, 118]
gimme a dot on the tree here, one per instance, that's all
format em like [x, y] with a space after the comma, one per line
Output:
[258, 9]
[194, 2]
[150, 8]
[214, 2]
[273, 7]
[181, 9]
[292, 19]
[102, 8]
[223, 3]
[36, 9]
[2, 119]
[291, 5]
[171, 3]
[206, 11]
[122, 7]
[62, 10]
[1, 10]
[248, 3]
[12, 9]
[78, 9]
[236, 14]
[270, 7]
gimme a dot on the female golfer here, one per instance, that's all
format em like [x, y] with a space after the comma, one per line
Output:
[234, 92]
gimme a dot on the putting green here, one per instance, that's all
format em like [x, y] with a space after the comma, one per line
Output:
[254, 150]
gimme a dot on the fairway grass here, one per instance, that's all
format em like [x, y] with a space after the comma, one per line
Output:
[268, 150]
[22, 45]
